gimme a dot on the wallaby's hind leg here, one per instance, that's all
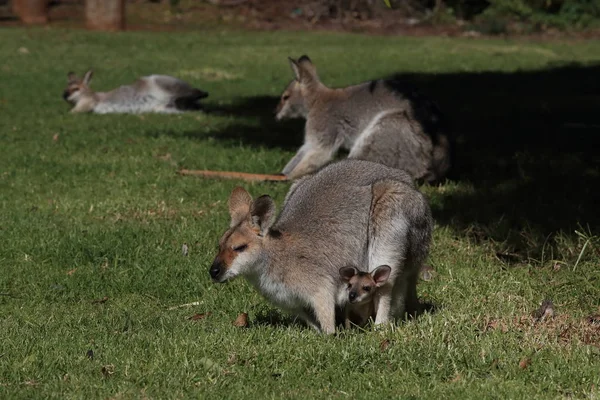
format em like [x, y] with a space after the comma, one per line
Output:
[393, 139]
[399, 236]
[324, 307]
[388, 242]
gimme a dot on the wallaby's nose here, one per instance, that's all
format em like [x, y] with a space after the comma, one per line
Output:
[215, 269]
[352, 296]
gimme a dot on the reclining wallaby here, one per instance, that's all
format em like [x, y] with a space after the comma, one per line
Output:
[352, 212]
[154, 93]
[384, 121]
[361, 288]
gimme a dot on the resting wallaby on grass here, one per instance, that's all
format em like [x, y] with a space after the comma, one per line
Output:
[361, 288]
[352, 212]
[384, 121]
[154, 93]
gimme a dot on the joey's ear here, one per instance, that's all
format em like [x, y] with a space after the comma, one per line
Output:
[346, 273]
[262, 211]
[307, 70]
[381, 274]
[88, 77]
[239, 205]
[295, 68]
[71, 77]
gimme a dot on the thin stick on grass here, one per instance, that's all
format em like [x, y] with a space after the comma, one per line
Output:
[234, 175]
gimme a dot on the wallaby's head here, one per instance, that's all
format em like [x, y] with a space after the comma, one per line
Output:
[291, 104]
[293, 100]
[361, 286]
[241, 247]
[76, 87]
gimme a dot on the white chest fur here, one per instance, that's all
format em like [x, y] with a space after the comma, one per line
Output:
[275, 291]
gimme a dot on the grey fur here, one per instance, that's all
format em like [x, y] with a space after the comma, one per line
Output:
[351, 212]
[379, 121]
[154, 93]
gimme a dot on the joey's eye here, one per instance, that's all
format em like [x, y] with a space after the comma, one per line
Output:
[367, 288]
[240, 248]
[285, 97]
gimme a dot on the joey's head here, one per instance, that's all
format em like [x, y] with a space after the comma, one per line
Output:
[77, 88]
[361, 286]
[242, 246]
[291, 104]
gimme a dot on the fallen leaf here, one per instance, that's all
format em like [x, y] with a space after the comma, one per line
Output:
[384, 345]
[525, 362]
[55, 137]
[456, 378]
[556, 267]
[90, 354]
[241, 320]
[545, 311]
[71, 272]
[427, 273]
[108, 370]
[23, 50]
[184, 249]
[232, 359]
[197, 316]
[100, 301]
[594, 319]
[164, 157]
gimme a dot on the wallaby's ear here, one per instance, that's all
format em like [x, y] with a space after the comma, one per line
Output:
[263, 213]
[307, 70]
[381, 274]
[239, 205]
[295, 68]
[88, 77]
[71, 77]
[346, 273]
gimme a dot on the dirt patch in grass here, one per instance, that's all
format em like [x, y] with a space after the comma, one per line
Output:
[562, 329]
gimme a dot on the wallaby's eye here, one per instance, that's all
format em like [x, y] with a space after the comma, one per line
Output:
[367, 288]
[349, 286]
[285, 97]
[240, 248]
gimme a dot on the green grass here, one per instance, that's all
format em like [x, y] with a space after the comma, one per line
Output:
[100, 212]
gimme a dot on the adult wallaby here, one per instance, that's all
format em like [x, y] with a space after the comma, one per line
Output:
[352, 212]
[385, 121]
[154, 93]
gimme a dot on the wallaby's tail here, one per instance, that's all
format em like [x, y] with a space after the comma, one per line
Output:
[197, 94]
[189, 100]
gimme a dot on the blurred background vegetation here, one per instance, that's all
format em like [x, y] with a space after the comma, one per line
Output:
[448, 17]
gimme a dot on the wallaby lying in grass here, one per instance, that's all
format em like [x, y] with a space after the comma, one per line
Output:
[383, 121]
[361, 293]
[154, 93]
[352, 212]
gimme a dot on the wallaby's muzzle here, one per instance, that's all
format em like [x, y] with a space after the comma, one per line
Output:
[216, 270]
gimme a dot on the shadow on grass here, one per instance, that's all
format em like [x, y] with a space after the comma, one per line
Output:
[527, 142]
[526, 151]
[254, 125]
[275, 318]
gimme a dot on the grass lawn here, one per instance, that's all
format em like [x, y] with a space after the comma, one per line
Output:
[93, 219]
